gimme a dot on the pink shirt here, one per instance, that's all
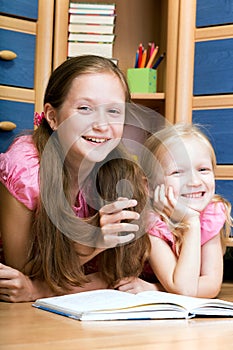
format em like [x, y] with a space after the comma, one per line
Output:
[212, 219]
[19, 168]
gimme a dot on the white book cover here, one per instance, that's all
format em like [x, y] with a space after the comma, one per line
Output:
[81, 5]
[78, 48]
[90, 28]
[97, 38]
[91, 11]
[91, 19]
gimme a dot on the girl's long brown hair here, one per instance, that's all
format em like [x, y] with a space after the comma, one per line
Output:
[53, 257]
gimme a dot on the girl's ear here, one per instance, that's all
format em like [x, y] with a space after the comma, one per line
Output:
[51, 116]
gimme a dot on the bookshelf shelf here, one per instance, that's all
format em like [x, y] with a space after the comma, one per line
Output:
[136, 22]
[149, 96]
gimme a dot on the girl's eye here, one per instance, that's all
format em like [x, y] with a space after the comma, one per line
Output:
[114, 112]
[205, 170]
[176, 172]
[85, 109]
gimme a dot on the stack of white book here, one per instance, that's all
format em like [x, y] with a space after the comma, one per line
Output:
[91, 29]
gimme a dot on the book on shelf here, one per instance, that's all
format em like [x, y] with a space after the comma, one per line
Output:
[91, 11]
[112, 304]
[88, 37]
[85, 5]
[90, 48]
[90, 28]
[91, 19]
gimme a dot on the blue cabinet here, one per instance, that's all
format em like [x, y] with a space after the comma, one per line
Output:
[20, 71]
[21, 8]
[18, 34]
[19, 113]
[214, 12]
[218, 126]
[213, 84]
[213, 67]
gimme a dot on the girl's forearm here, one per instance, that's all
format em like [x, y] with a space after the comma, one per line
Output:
[187, 270]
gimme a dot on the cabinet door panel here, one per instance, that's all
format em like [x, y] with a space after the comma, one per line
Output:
[21, 8]
[214, 12]
[20, 71]
[218, 125]
[19, 113]
[213, 67]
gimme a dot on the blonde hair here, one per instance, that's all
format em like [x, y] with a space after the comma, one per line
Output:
[150, 161]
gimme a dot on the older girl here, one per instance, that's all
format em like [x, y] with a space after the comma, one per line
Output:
[49, 224]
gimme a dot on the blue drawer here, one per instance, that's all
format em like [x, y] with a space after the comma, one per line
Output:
[19, 113]
[218, 125]
[20, 71]
[213, 67]
[225, 189]
[214, 12]
[20, 8]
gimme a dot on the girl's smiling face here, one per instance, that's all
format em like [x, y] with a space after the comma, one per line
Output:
[188, 169]
[91, 120]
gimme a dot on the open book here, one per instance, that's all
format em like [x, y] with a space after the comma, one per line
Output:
[108, 304]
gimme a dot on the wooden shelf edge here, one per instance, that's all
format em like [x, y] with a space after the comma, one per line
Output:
[17, 94]
[224, 172]
[212, 102]
[18, 25]
[213, 33]
[148, 96]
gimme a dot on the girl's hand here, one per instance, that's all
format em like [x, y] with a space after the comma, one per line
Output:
[15, 286]
[135, 285]
[111, 217]
[165, 201]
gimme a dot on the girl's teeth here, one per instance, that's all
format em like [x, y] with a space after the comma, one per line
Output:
[96, 140]
[193, 195]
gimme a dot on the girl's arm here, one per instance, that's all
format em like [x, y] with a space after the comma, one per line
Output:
[178, 275]
[210, 280]
[17, 287]
[15, 228]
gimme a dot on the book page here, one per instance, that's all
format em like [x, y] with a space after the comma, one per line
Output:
[91, 301]
[192, 304]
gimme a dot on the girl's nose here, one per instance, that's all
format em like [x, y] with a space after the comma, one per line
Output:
[194, 179]
[101, 120]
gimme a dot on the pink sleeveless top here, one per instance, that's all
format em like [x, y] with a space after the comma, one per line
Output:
[212, 219]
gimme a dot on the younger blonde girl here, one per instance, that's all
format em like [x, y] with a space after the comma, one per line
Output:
[189, 222]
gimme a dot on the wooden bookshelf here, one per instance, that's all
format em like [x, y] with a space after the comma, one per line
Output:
[136, 21]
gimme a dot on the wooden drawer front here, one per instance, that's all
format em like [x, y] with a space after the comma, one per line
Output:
[225, 189]
[20, 71]
[21, 8]
[213, 67]
[218, 125]
[214, 12]
[19, 113]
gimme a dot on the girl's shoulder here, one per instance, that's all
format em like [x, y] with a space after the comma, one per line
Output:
[19, 167]
[157, 227]
[212, 219]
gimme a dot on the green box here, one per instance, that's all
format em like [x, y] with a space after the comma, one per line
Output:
[142, 80]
